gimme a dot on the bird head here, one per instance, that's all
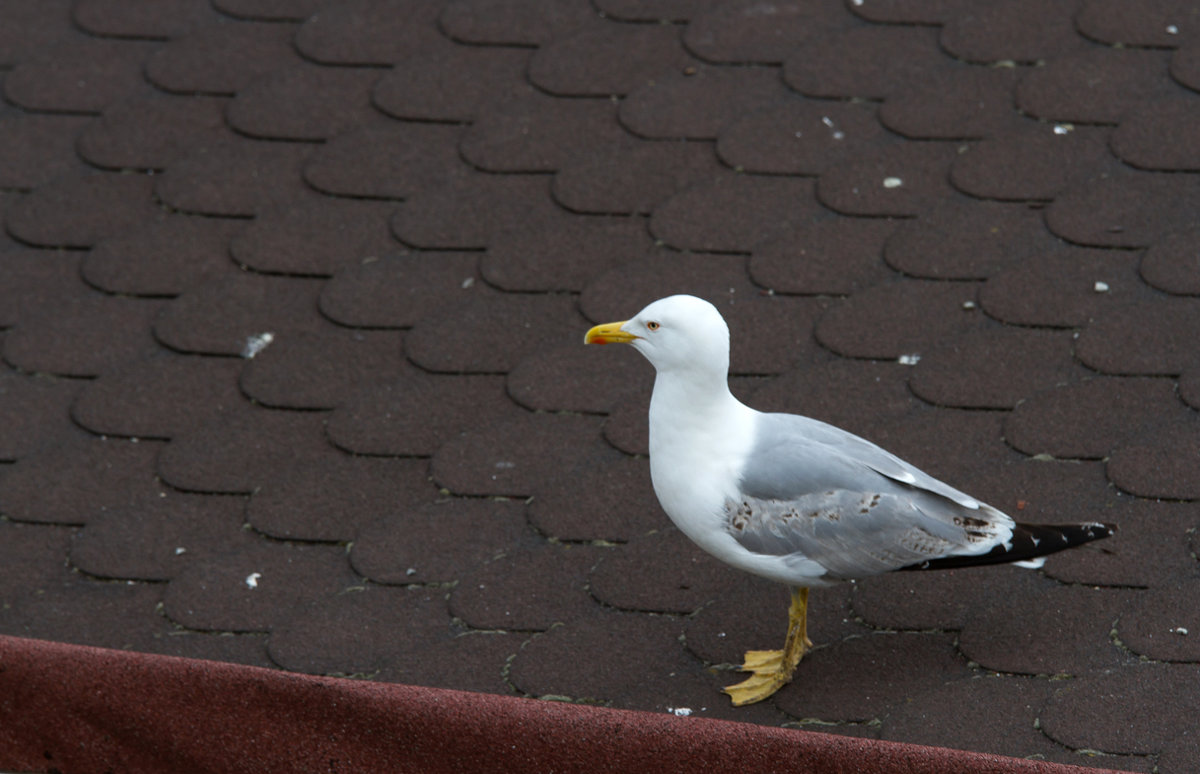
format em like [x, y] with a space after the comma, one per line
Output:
[677, 333]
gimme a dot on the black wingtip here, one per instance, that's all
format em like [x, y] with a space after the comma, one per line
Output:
[1029, 541]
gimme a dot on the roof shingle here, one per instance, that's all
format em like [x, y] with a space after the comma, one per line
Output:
[291, 312]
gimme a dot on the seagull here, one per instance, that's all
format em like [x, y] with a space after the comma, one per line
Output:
[794, 499]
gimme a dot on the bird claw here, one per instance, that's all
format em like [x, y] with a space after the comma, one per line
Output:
[768, 675]
[758, 686]
[772, 669]
[762, 661]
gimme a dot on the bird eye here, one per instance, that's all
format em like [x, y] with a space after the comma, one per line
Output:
[652, 326]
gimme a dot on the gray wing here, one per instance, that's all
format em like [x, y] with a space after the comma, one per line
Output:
[812, 490]
[858, 534]
[796, 455]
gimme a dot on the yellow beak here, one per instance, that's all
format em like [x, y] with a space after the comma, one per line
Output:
[608, 333]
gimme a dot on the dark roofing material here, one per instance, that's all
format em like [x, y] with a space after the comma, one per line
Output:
[290, 315]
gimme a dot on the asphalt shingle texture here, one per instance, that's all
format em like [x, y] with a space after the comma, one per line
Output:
[292, 299]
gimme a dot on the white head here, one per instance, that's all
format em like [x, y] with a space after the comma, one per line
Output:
[676, 334]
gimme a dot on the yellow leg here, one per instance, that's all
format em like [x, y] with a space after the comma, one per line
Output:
[772, 669]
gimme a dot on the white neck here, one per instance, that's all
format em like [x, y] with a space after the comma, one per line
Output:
[696, 387]
[691, 411]
[700, 436]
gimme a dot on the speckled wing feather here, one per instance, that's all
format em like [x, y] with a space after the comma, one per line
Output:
[1029, 546]
[813, 491]
[855, 534]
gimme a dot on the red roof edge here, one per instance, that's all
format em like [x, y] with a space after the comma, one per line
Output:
[72, 708]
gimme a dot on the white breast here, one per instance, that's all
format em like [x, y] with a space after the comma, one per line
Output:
[696, 455]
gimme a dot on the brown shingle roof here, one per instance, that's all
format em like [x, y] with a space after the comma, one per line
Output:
[418, 208]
